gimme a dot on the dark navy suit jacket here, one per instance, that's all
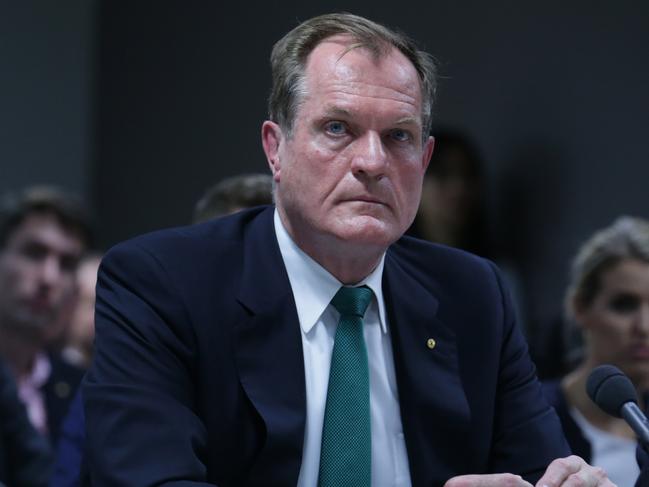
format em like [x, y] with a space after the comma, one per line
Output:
[199, 375]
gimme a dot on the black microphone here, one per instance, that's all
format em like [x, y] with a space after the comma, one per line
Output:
[614, 393]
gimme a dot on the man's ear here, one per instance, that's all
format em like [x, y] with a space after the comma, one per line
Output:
[429, 145]
[271, 139]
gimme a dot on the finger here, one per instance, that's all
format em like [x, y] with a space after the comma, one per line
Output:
[588, 477]
[490, 480]
[559, 471]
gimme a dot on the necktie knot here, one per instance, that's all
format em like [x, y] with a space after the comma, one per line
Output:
[352, 301]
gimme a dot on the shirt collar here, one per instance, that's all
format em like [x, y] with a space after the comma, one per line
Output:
[40, 373]
[313, 286]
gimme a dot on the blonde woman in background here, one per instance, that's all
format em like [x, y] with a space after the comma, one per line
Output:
[608, 299]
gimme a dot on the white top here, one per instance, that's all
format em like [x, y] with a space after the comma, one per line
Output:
[313, 289]
[616, 455]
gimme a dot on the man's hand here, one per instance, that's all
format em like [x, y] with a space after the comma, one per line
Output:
[490, 480]
[571, 471]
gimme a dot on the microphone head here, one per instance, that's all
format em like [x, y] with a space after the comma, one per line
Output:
[610, 389]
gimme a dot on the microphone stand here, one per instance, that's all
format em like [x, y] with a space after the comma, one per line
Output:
[642, 452]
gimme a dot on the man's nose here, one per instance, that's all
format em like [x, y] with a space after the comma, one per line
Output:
[370, 157]
[50, 270]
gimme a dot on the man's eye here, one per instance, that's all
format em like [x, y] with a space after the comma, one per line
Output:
[34, 251]
[69, 263]
[400, 135]
[336, 128]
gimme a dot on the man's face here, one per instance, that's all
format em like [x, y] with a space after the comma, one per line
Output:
[351, 170]
[37, 274]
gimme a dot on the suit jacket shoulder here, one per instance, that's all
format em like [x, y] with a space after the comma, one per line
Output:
[197, 324]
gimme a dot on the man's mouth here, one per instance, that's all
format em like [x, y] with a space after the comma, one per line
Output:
[366, 199]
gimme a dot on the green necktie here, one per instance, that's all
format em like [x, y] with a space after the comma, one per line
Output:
[346, 454]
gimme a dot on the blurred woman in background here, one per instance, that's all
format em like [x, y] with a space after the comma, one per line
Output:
[608, 300]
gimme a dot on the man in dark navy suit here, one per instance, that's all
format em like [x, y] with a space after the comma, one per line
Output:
[218, 345]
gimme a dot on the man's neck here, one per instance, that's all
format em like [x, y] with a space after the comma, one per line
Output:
[349, 262]
[349, 269]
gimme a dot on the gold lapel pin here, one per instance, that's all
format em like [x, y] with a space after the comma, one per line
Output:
[430, 343]
[62, 389]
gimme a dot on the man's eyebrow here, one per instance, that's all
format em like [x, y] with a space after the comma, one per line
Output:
[344, 113]
[407, 121]
[334, 111]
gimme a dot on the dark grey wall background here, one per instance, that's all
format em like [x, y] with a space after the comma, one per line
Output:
[555, 94]
[46, 66]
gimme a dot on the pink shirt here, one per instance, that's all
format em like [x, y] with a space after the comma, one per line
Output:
[29, 390]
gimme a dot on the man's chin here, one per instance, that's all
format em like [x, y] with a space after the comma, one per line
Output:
[368, 231]
[30, 322]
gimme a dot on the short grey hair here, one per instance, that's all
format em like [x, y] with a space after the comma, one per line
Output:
[289, 56]
[626, 238]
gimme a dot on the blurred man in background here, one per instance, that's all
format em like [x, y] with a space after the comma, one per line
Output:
[233, 194]
[43, 233]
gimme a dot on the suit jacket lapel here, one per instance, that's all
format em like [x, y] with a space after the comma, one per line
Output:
[431, 397]
[269, 355]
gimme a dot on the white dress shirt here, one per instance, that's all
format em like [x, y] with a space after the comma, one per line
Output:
[313, 289]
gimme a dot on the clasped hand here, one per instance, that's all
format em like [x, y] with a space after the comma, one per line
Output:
[571, 471]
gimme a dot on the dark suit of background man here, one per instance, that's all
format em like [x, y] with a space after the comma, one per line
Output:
[214, 341]
[25, 456]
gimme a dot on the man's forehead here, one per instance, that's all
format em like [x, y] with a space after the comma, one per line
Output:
[45, 227]
[340, 45]
[337, 65]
